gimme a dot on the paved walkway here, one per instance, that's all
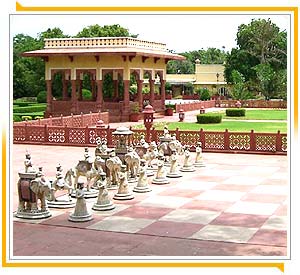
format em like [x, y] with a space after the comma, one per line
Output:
[234, 206]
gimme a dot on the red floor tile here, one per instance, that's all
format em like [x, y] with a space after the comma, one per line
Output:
[234, 187]
[208, 205]
[171, 229]
[281, 211]
[244, 220]
[274, 182]
[144, 212]
[269, 237]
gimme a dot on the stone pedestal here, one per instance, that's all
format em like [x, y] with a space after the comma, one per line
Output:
[160, 177]
[61, 202]
[92, 193]
[187, 165]
[188, 168]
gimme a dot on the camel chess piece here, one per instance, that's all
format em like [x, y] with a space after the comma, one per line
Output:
[80, 213]
[160, 177]
[142, 185]
[199, 157]
[123, 190]
[103, 201]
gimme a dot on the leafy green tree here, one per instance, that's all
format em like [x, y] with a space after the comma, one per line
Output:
[105, 31]
[204, 94]
[239, 90]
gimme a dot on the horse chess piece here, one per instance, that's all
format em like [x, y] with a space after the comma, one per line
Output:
[161, 172]
[103, 202]
[123, 191]
[142, 185]
[187, 165]
[61, 183]
[80, 213]
[199, 158]
[174, 171]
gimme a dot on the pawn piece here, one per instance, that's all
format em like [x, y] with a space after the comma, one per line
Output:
[161, 172]
[123, 190]
[142, 186]
[103, 201]
[187, 165]
[199, 158]
[80, 213]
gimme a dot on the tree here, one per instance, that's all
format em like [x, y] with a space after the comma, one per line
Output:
[239, 90]
[261, 54]
[105, 31]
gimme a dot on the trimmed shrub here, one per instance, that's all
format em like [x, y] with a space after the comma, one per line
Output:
[30, 109]
[21, 104]
[235, 112]
[17, 118]
[209, 118]
[26, 118]
[38, 117]
[86, 94]
[42, 97]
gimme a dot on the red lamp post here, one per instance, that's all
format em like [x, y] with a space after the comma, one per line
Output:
[148, 120]
[181, 115]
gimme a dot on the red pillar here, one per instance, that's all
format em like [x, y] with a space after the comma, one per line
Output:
[140, 93]
[93, 88]
[79, 89]
[64, 88]
[126, 97]
[151, 82]
[99, 99]
[74, 102]
[49, 95]
[163, 93]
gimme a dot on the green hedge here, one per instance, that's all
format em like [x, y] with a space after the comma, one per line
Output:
[209, 118]
[30, 109]
[17, 118]
[235, 112]
[42, 97]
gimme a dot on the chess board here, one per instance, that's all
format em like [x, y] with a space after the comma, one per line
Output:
[235, 205]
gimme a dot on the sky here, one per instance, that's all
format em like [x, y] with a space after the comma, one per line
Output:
[181, 32]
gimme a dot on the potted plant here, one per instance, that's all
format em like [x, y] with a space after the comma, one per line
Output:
[169, 109]
[134, 112]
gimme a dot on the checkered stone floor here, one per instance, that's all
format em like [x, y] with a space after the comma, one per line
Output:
[238, 205]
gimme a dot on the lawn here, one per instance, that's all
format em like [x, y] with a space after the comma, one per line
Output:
[234, 126]
[260, 115]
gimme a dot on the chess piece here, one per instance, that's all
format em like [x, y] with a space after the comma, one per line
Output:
[28, 164]
[123, 190]
[80, 213]
[199, 158]
[103, 201]
[132, 161]
[174, 172]
[187, 165]
[161, 172]
[142, 185]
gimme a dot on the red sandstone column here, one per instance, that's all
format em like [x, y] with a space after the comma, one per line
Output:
[74, 103]
[140, 93]
[49, 95]
[80, 89]
[126, 96]
[163, 93]
[93, 88]
[64, 89]
[99, 99]
[151, 82]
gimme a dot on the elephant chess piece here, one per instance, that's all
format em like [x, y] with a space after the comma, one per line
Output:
[132, 161]
[33, 188]
[187, 165]
[142, 185]
[113, 164]
[123, 191]
[61, 183]
[80, 213]
[150, 156]
[160, 177]
[103, 201]
[174, 171]
[199, 157]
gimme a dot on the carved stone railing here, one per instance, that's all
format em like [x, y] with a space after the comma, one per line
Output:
[103, 42]
[226, 142]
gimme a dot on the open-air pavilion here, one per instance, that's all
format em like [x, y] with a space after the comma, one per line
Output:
[122, 58]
